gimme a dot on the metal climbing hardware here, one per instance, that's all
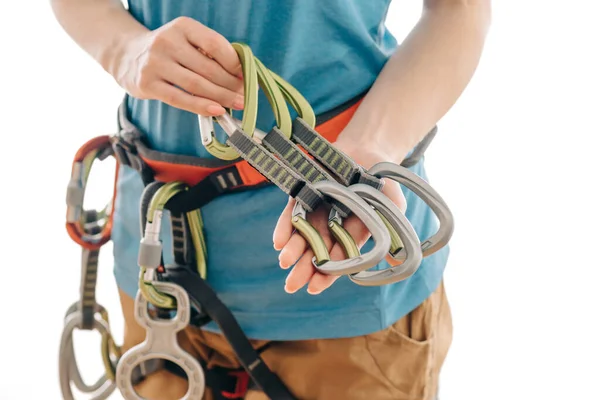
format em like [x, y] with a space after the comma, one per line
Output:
[297, 156]
[150, 251]
[277, 141]
[365, 213]
[90, 229]
[223, 151]
[423, 190]
[98, 148]
[68, 369]
[411, 255]
[343, 199]
[161, 343]
[86, 314]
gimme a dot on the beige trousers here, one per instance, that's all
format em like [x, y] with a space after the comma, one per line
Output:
[402, 362]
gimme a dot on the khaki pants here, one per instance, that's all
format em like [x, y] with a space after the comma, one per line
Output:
[401, 362]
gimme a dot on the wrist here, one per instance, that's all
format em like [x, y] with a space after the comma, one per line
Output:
[116, 52]
[368, 151]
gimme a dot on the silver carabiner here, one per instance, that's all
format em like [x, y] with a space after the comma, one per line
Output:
[67, 364]
[161, 342]
[368, 217]
[411, 250]
[424, 190]
[74, 374]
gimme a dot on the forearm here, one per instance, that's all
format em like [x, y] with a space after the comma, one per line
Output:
[422, 80]
[99, 27]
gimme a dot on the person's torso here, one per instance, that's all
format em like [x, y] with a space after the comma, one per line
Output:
[331, 51]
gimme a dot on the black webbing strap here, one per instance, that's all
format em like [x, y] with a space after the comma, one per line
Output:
[227, 180]
[89, 275]
[291, 155]
[202, 296]
[181, 240]
[275, 171]
[342, 165]
[300, 162]
[419, 149]
[348, 171]
[222, 382]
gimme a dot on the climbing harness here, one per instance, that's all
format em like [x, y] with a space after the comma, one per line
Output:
[298, 157]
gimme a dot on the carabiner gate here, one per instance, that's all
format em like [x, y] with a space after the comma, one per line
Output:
[97, 148]
[368, 217]
[410, 252]
[214, 147]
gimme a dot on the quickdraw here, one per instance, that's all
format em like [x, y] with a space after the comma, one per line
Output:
[295, 155]
[90, 229]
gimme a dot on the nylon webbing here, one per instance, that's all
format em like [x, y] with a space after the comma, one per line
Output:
[419, 150]
[292, 156]
[182, 253]
[89, 275]
[203, 296]
[334, 160]
[275, 171]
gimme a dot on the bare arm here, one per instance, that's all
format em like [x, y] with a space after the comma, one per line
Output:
[417, 86]
[99, 27]
[156, 64]
[422, 80]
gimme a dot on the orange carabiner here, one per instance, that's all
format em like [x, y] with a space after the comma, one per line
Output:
[95, 149]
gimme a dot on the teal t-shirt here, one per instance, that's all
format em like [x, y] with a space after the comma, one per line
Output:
[331, 51]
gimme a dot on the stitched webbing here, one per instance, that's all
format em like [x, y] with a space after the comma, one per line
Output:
[292, 156]
[275, 170]
[334, 160]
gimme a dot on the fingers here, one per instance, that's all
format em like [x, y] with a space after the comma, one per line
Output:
[202, 87]
[283, 229]
[301, 274]
[201, 64]
[318, 282]
[176, 97]
[213, 44]
[392, 262]
[186, 56]
[292, 251]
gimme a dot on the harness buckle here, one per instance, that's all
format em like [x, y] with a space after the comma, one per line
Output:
[241, 385]
[123, 144]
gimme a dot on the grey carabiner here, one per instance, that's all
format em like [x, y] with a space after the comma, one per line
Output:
[74, 375]
[230, 125]
[398, 221]
[67, 363]
[161, 342]
[424, 190]
[207, 131]
[368, 217]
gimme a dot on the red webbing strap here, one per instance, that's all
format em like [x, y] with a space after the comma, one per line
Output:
[168, 172]
[193, 174]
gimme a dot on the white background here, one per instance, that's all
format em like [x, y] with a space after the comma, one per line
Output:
[516, 158]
